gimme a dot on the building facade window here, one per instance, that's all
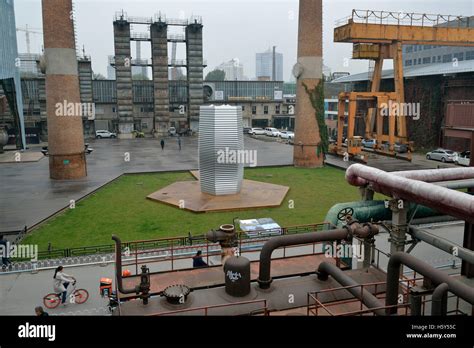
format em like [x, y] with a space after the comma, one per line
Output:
[459, 56]
[427, 60]
[447, 58]
[408, 62]
[470, 55]
[265, 110]
[277, 109]
[254, 109]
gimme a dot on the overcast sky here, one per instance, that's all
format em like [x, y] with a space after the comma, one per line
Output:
[232, 29]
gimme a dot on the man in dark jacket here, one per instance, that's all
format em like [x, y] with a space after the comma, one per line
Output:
[198, 261]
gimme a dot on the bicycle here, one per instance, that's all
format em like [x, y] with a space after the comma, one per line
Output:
[78, 296]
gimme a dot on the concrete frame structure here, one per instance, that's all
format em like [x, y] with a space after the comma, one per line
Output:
[123, 73]
[159, 52]
[195, 71]
[67, 158]
[158, 37]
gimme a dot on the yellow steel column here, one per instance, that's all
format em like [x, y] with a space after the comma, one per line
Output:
[399, 89]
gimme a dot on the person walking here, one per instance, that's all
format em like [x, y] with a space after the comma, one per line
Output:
[179, 142]
[162, 143]
[5, 261]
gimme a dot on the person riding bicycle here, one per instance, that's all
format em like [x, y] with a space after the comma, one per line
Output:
[61, 282]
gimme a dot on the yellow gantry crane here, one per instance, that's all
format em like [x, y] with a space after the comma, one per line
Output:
[377, 36]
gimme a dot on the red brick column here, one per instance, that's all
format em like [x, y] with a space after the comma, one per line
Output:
[65, 135]
[309, 74]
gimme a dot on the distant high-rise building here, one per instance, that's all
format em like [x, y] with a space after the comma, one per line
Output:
[233, 69]
[264, 65]
[110, 72]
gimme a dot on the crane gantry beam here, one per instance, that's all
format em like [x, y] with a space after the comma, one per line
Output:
[379, 35]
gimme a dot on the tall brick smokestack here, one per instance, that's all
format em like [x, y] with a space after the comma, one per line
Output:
[65, 136]
[308, 71]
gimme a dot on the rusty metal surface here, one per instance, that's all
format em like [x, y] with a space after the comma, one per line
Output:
[214, 276]
[277, 297]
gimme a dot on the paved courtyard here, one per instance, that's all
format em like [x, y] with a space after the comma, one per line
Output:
[29, 196]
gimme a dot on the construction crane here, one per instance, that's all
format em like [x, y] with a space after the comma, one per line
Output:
[27, 30]
[377, 36]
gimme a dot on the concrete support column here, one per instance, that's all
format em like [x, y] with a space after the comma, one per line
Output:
[195, 71]
[308, 72]
[399, 225]
[159, 53]
[123, 74]
[65, 139]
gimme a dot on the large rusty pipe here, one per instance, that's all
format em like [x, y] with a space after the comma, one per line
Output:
[454, 203]
[439, 300]
[426, 175]
[264, 278]
[436, 276]
[118, 266]
[369, 300]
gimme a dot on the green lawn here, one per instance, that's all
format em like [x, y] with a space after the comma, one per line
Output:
[122, 208]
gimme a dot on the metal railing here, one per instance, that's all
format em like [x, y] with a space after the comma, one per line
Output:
[262, 311]
[404, 18]
[135, 253]
[314, 304]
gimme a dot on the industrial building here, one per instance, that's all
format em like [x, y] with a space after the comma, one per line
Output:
[446, 95]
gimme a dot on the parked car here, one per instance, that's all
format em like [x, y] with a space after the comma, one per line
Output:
[287, 135]
[246, 130]
[463, 159]
[104, 134]
[272, 132]
[172, 131]
[257, 131]
[370, 143]
[441, 155]
[398, 147]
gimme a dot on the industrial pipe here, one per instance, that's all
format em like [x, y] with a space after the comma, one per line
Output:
[426, 175]
[369, 300]
[448, 201]
[437, 277]
[442, 244]
[118, 266]
[264, 278]
[439, 300]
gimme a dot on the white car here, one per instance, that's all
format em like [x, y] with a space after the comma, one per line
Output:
[442, 155]
[172, 131]
[104, 134]
[272, 132]
[287, 135]
[256, 131]
[463, 159]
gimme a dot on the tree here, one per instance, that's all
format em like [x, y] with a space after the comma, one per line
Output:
[215, 75]
[98, 76]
